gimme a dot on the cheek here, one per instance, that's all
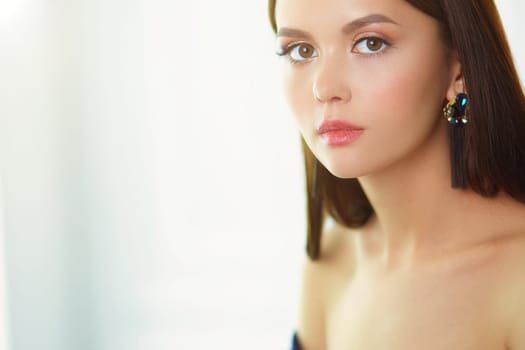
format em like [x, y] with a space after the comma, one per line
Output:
[404, 95]
[298, 95]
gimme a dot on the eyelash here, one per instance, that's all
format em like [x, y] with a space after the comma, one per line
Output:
[285, 51]
[385, 45]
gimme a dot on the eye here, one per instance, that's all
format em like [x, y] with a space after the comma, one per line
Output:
[302, 51]
[370, 45]
[299, 52]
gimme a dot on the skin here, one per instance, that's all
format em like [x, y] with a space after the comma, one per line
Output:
[435, 267]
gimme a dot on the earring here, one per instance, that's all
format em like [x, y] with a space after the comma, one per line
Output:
[455, 113]
[456, 108]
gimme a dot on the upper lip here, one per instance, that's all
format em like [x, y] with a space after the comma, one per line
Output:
[336, 124]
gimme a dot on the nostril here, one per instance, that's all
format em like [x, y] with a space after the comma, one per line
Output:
[337, 92]
[331, 85]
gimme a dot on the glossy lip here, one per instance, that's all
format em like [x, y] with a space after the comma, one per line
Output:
[337, 132]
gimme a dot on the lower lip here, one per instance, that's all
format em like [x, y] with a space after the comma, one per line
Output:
[340, 137]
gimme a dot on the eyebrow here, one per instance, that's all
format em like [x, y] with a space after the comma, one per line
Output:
[347, 28]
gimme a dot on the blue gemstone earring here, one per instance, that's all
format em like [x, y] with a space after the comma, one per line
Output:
[455, 112]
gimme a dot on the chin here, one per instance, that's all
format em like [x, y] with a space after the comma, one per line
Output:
[344, 169]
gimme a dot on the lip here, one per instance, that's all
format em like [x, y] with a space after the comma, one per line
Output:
[338, 132]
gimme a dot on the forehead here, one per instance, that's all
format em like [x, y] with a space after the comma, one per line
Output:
[330, 13]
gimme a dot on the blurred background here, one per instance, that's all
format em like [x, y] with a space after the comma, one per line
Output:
[151, 184]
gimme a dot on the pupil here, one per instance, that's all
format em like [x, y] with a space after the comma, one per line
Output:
[305, 51]
[373, 44]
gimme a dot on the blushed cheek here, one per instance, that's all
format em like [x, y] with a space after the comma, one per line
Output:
[390, 100]
[401, 96]
[298, 97]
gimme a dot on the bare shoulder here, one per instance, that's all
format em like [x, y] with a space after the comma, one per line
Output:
[512, 297]
[318, 279]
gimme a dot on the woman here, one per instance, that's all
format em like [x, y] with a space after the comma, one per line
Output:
[413, 122]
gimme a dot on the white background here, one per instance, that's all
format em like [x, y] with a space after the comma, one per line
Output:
[151, 176]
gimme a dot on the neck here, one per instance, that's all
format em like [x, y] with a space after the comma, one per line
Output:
[417, 212]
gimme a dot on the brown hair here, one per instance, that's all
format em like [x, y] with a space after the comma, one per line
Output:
[494, 145]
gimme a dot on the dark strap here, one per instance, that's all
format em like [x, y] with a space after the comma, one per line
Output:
[295, 343]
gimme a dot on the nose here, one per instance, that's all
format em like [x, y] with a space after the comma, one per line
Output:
[331, 83]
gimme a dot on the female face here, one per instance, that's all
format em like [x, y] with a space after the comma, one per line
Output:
[365, 80]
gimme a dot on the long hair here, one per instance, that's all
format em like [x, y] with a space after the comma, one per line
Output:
[494, 146]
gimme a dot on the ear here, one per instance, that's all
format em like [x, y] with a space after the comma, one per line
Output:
[456, 79]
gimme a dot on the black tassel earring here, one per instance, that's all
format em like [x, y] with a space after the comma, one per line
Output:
[455, 112]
